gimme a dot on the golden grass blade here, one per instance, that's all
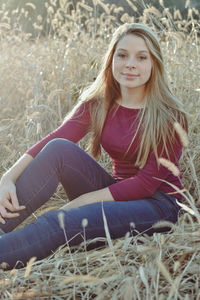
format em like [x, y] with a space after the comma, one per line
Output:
[31, 5]
[161, 224]
[177, 14]
[62, 3]
[85, 6]
[153, 11]
[83, 278]
[161, 3]
[186, 208]
[5, 25]
[187, 3]
[131, 5]
[104, 6]
[54, 93]
[110, 243]
[143, 277]
[29, 266]
[163, 269]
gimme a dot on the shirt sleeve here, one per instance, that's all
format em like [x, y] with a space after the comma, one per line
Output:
[73, 129]
[146, 182]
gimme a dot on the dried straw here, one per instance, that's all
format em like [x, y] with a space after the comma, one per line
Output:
[40, 83]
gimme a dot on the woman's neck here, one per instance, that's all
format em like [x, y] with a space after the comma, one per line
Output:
[132, 98]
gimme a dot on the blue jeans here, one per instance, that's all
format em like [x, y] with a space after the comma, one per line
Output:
[63, 161]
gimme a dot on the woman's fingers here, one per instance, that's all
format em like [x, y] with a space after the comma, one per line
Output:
[14, 200]
[8, 205]
[11, 208]
[10, 215]
[2, 221]
[2, 211]
[5, 214]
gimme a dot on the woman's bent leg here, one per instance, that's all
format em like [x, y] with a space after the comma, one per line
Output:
[60, 160]
[45, 235]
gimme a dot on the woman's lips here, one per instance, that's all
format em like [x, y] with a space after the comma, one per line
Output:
[129, 75]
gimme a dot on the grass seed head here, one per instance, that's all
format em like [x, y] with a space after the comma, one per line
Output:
[170, 166]
[182, 134]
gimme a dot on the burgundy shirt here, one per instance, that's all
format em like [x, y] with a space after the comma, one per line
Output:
[119, 129]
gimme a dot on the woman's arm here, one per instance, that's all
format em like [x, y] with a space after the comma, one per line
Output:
[150, 178]
[89, 198]
[16, 170]
[73, 129]
[9, 204]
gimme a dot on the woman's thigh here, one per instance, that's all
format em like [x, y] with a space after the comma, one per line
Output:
[79, 173]
[121, 217]
[56, 228]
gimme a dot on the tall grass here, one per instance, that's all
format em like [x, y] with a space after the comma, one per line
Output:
[40, 80]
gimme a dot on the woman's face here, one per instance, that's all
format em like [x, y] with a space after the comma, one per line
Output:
[132, 63]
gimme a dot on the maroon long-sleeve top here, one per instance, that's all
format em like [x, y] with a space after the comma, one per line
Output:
[119, 129]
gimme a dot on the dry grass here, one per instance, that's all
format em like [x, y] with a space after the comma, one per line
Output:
[40, 81]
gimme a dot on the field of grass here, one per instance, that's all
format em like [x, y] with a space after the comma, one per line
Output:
[40, 80]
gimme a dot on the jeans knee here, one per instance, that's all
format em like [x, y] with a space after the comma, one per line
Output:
[61, 151]
[58, 145]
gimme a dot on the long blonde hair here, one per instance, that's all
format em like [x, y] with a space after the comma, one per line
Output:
[162, 110]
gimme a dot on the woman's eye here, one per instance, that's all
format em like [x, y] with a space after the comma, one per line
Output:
[121, 55]
[142, 57]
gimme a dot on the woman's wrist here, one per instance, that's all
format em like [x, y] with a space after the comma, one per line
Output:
[6, 179]
[16, 170]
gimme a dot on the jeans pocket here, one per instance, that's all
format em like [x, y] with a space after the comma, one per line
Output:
[167, 204]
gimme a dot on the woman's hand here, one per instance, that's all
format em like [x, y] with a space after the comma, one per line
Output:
[9, 205]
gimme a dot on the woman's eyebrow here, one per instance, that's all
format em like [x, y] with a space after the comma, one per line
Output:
[121, 49]
[140, 51]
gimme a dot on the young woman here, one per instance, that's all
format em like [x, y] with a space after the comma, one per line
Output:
[130, 111]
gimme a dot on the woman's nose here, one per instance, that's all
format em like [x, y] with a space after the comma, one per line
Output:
[131, 63]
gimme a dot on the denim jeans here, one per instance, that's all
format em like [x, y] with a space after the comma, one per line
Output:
[63, 161]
